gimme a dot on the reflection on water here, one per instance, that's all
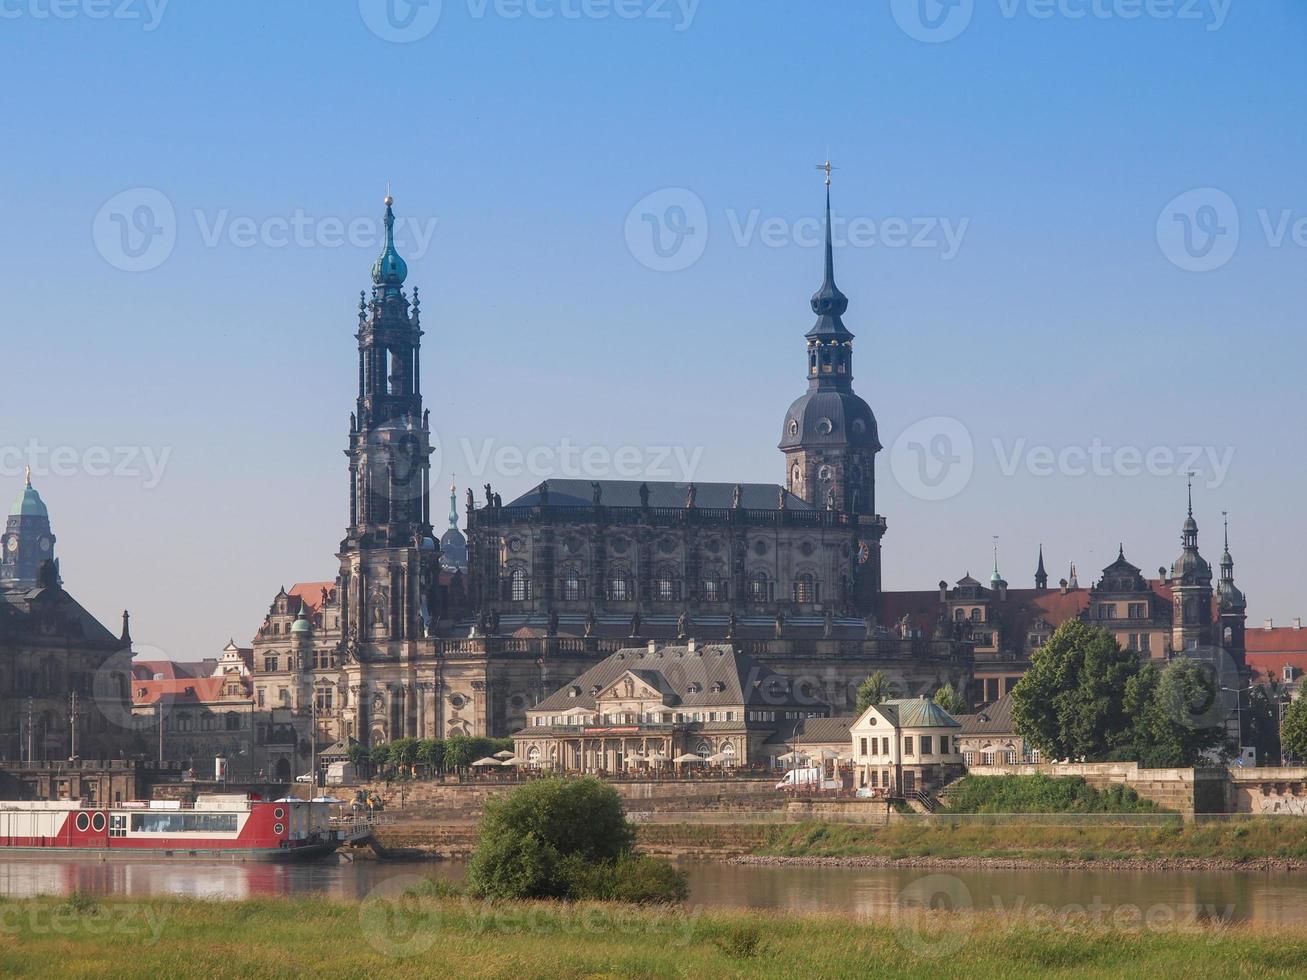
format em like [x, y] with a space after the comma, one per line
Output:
[1269, 899]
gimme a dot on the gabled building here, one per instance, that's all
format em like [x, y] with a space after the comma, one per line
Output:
[904, 746]
[647, 706]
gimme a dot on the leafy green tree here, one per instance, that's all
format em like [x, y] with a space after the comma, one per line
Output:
[358, 755]
[404, 753]
[379, 757]
[950, 700]
[1178, 714]
[1262, 722]
[458, 753]
[876, 689]
[1071, 702]
[565, 838]
[431, 753]
[1294, 730]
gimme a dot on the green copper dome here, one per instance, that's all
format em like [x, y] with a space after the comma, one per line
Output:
[301, 624]
[389, 269]
[29, 503]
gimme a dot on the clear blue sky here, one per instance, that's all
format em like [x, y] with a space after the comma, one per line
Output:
[1064, 318]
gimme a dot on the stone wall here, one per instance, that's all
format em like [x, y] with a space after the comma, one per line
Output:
[1268, 790]
[1186, 791]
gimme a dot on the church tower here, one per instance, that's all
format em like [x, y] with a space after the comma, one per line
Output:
[830, 440]
[389, 560]
[27, 541]
[1191, 586]
[1233, 606]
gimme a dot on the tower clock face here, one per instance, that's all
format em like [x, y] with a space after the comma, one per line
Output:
[44, 543]
[12, 544]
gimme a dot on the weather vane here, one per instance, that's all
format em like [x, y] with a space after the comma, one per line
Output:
[826, 168]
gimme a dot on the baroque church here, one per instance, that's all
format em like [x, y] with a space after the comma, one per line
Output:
[404, 643]
[424, 637]
[64, 677]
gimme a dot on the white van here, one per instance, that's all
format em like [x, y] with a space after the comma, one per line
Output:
[810, 777]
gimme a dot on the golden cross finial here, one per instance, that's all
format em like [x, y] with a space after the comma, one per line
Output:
[27, 475]
[827, 167]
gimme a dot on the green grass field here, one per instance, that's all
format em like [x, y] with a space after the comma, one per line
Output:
[403, 936]
[1243, 840]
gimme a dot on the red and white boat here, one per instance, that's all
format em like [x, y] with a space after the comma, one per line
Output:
[225, 827]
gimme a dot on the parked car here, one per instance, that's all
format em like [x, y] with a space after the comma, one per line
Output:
[306, 778]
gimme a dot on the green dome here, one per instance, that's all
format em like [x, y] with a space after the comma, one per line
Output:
[29, 504]
[301, 624]
[389, 269]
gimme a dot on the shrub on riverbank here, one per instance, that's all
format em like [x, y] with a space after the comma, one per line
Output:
[1041, 794]
[570, 839]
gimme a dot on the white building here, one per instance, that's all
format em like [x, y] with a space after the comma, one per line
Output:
[903, 746]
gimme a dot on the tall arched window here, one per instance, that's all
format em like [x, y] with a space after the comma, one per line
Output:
[805, 588]
[619, 584]
[571, 585]
[666, 585]
[758, 587]
[519, 586]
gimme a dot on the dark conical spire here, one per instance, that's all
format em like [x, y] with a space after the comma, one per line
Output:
[828, 302]
[1041, 576]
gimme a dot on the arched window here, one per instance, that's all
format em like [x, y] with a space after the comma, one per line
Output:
[572, 591]
[805, 588]
[666, 586]
[960, 615]
[758, 587]
[518, 586]
[711, 591]
[703, 750]
[728, 750]
[975, 615]
[619, 585]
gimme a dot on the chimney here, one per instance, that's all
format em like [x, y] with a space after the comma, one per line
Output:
[1297, 622]
[691, 644]
[1270, 625]
[943, 591]
[653, 647]
[1062, 583]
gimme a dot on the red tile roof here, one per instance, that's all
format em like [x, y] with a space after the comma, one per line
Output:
[182, 690]
[1280, 639]
[310, 593]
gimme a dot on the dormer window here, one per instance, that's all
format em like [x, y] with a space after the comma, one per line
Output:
[718, 687]
[694, 688]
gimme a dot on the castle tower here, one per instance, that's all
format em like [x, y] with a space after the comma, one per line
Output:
[27, 541]
[1191, 586]
[1041, 576]
[389, 559]
[830, 439]
[1233, 606]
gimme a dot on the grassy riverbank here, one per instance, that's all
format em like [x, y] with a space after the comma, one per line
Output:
[403, 936]
[1236, 841]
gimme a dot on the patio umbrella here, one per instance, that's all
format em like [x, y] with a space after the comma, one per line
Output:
[486, 763]
[512, 760]
[503, 755]
[719, 758]
[687, 758]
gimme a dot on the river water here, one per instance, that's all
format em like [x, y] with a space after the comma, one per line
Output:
[1171, 898]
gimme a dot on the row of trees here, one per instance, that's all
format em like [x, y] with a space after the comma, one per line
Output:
[430, 757]
[878, 688]
[1086, 698]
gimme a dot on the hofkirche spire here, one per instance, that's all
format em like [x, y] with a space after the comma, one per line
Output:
[390, 270]
[828, 302]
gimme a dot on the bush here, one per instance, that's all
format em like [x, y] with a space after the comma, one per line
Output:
[556, 838]
[1041, 794]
